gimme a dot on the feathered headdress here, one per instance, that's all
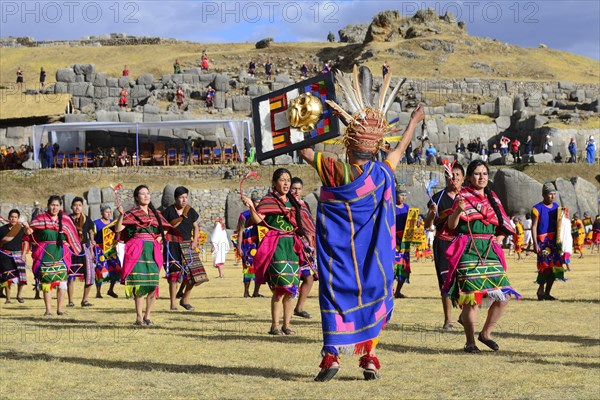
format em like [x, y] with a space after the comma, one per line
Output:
[366, 123]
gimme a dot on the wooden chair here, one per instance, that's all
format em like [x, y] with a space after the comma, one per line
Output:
[159, 154]
[228, 154]
[217, 155]
[70, 161]
[196, 159]
[146, 153]
[206, 155]
[89, 158]
[172, 157]
[59, 160]
[80, 159]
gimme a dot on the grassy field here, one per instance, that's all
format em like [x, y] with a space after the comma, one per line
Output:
[549, 350]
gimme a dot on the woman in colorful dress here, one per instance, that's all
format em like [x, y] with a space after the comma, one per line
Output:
[545, 230]
[477, 268]
[422, 251]
[578, 233]
[246, 245]
[55, 240]
[143, 229]
[106, 259]
[12, 256]
[277, 260]
[402, 258]
[596, 235]
[588, 227]
[181, 259]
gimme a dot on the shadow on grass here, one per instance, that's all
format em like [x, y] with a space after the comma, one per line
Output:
[580, 340]
[515, 357]
[51, 319]
[253, 337]
[558, 301]
[149, 366]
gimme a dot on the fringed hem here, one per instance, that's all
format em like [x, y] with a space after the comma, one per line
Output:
[47, 287]
[487, 298]
[351, 349]
[140, 291]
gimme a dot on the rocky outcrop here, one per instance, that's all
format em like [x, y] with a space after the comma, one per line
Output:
[354, 33]
[388, 26]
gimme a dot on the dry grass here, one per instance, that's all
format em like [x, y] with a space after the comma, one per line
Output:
[592, 122]
[505, 61]
[549, 172]
[469, 120]
[14, 104]
[222, 350]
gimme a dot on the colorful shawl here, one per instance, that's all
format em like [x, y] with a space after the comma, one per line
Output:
[44, 221]
[137, 217]
[479, 208]
[134, 245]
[355, 252]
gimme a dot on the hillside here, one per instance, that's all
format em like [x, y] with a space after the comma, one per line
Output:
[470, 57]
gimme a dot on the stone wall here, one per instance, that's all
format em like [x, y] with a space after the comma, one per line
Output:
[517, 191]
[113, 39]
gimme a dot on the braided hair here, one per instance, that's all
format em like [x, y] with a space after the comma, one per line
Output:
[488, 193]
[51, 199]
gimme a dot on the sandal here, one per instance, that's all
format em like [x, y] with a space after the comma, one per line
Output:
[489, 343]
[147, 322]
[276, 332]
[288, 331]
[86, 304]
[20, 300]
[8, 302]
[449, 326]
[303, 314]
[47, 314]
[61, 313]
[472, 349]
[71, 305]
[366, 362]
[173, 308]
[138, 323]
[187, 306]
[328, 370]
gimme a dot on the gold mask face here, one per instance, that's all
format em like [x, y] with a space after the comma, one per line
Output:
[304, 112]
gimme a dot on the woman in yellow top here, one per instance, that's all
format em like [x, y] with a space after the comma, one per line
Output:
[519, 237]
[578, 233]
[587, 226]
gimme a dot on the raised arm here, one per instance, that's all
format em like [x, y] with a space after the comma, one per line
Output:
[395, 155]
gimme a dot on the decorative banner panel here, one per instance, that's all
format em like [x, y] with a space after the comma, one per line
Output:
[294, 117]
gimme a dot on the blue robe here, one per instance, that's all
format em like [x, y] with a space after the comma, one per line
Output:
[355, 252]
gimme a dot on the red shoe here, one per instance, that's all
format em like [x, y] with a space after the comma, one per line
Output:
[369, 373]
[328, 370]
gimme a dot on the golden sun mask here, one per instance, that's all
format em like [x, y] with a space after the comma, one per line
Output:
[304, 112]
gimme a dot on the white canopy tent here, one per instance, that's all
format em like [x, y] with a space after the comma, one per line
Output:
[239, 129]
